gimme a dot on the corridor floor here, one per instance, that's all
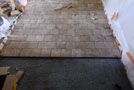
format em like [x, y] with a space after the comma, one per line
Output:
[79, 29]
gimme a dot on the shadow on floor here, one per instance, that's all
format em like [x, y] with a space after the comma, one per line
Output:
[69, 74]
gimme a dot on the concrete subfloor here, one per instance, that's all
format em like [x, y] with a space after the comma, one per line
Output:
[69, 74]
[81, 30]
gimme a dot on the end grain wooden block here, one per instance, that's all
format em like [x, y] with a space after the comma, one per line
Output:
[4, 70]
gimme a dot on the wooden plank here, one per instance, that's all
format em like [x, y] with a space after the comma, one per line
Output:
[4, 70]
[19, 74]
[3, 15]
[9, 82]
[5, 5]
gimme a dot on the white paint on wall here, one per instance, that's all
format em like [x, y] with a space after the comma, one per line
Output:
[123, 29]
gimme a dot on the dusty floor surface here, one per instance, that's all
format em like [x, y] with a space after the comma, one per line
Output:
[45, 29]
[69, 74]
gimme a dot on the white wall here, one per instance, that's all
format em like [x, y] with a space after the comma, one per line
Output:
[123, 29]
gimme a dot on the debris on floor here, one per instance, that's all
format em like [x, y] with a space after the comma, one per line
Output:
[20, 4]
[63, 6]
[6, 9]
[10, 11]
[93, 17]
[10, 80]
[4, 26]
[15, 13]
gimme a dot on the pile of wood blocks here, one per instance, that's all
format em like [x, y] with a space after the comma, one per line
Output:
[9, 81]
[6, 10]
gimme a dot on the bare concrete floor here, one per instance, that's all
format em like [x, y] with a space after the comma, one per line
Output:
[69, 74]
[78, 30]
